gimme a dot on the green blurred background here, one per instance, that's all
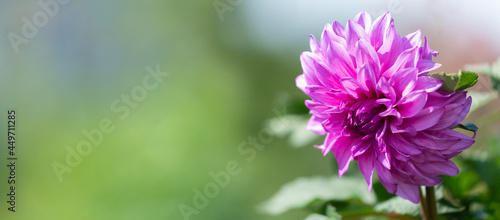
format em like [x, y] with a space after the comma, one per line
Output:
[230, 64]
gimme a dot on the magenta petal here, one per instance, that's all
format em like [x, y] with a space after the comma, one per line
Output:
[408, 191]
[301, 83]
[318, 109]
[321, 94]
[352, 87]
[426, 65]
[367, 80]
[342, 153]
[414, 39]
[411, 104]
[366, 165]
[354, 33]
[314, 44]
[307, 60]
[439, 168]
[324, 75]
[314, 125]
[366, 54]
[338, 55]
[427, 118]
[379, 30]
[364, 20]
[404, 81]
[406, 59]
[463, 114]
[428, 84]
[385, 89]
[328, 37]
[385, 177]
[338, 29]
[401, 145]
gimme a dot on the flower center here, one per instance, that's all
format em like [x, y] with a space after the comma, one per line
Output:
[365, 120]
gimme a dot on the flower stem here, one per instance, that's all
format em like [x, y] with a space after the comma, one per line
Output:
[423, 205]
[431, 203]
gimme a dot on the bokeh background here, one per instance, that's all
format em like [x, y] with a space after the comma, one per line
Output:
[231, 65]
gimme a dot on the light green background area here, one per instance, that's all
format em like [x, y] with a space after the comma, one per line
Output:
[65, 79]
[221, 88]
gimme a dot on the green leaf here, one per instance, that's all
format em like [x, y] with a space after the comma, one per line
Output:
[459, 81]
[315, 216]
[468, 127]
[405, 207]
[301, 192]
[331, 214]
[466, 80]
[398, 205]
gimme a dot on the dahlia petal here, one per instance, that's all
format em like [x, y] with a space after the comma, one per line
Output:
[385, 177]
[320, 94]
[338, 29]
[427, 118]
[352, 87]
[334, 122]
[318, 109]
[307, 59]
[452, 113]
[379, 30]
[301, 83]
[341, 149]
[329, 36]
[426, 52]
[425, 66]
[397, 129]
[314, 44]
[407, 172]
[364, 20]
[324, 75]
[365, 53]
[407, 58]
[408, 191]
[411, 104]
[391, 48]
[400, 156]
[383, 157]
[314, 125]
[463, 143]
[403, 146]
[385, 89]
[381, 132]
[404, 81]
[366, 165]
[434, 141]
[354, 33]
[428, 84]
[367, 79]
[439, 168]
[338, 55]
[414, 39]
[360, 148]
[463, 114]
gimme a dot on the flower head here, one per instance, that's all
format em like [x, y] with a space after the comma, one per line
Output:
[372, 98]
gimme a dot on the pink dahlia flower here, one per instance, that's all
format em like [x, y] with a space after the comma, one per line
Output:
[372, 98]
